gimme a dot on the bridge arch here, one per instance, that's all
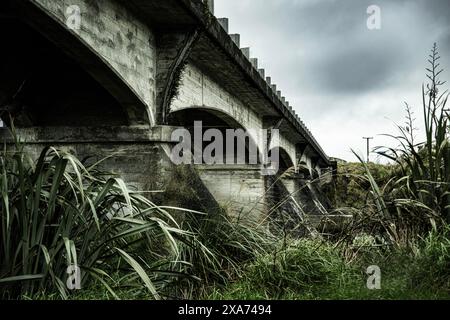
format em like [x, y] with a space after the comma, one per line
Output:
[40, 85]
[214, 118]
[104, 58]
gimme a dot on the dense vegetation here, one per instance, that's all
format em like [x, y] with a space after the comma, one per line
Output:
[401, 216]
[58, 211]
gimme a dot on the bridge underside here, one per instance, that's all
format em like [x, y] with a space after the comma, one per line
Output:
[131, 75]
[41, 86]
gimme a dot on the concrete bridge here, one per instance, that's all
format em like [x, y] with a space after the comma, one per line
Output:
[102, 77]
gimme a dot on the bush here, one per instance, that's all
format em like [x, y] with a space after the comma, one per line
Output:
[352, 188]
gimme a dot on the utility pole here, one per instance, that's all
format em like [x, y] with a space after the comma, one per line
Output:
[368, 147]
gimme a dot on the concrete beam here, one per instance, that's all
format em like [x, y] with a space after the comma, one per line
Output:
[64, 135]
[246, 52]
[279, 94]
[262, 72]
[210, 4]
[274, 88]
[304, 149]
[284, 100]
[224, 23]
[254, 62]
[269, 80]
[236, 37]
[272, 122]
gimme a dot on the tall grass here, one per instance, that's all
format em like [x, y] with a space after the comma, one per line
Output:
[56, 212]
[304, 265]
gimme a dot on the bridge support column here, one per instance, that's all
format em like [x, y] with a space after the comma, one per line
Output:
[210, 5]
[238, 189]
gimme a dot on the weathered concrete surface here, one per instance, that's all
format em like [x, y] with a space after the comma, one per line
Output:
[141, 162]
[100, 134]
[199, 90]
[239, 189]
[122, 41]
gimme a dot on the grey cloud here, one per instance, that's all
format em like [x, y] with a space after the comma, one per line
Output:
[357, 71]
[320, 52]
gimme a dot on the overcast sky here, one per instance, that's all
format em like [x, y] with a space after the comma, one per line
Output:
[344, 80]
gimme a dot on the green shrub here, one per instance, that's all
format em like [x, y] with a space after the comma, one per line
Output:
[352, 189]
